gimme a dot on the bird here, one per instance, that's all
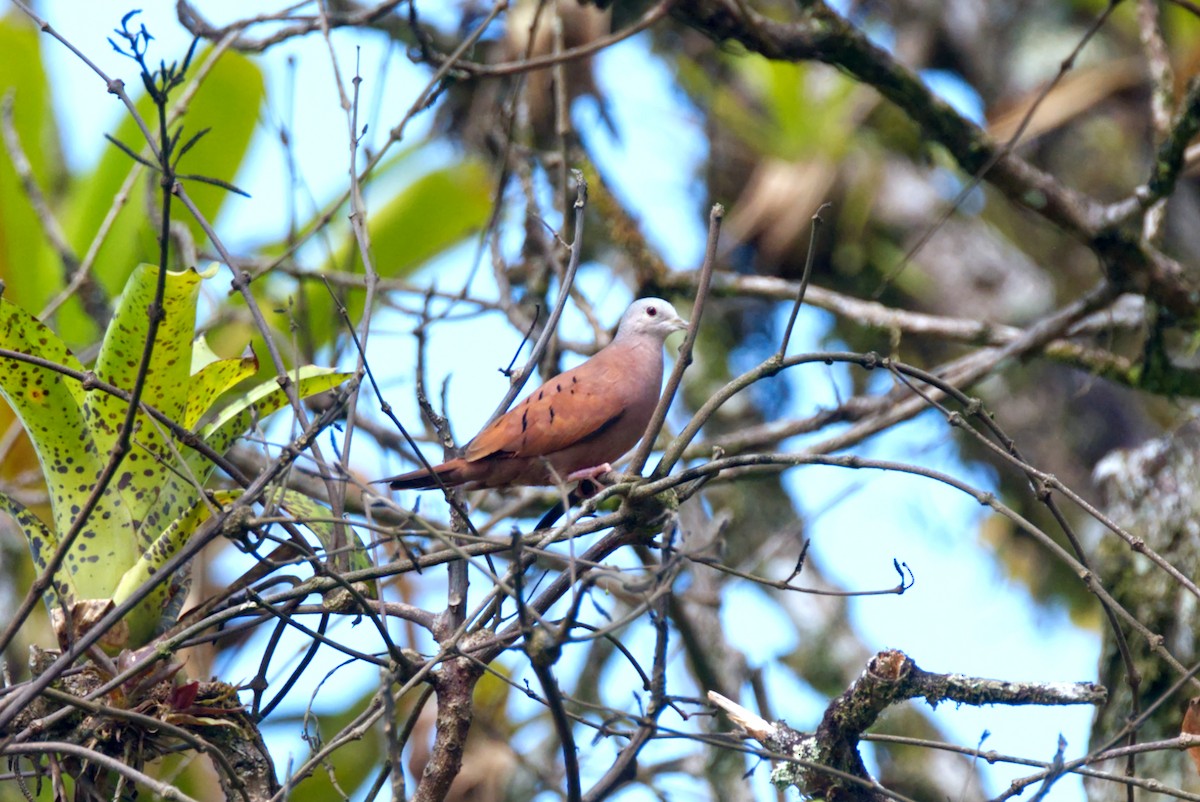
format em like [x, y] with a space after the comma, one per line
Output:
[1191, 726]
[576, 424]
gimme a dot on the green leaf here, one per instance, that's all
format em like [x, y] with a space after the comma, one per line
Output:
[50, 408]
[430, 215]
[42, 545]
[148, 480]
[237, 418]
[349, 769]
[785, 118]
[228, 103]
[308, 512]
[28, 267]
[210, 382]
[145, 619]
[152, 506]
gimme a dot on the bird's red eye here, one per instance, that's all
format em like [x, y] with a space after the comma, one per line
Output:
[651, 311]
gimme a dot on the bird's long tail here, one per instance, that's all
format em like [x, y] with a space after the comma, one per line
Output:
[422, 479]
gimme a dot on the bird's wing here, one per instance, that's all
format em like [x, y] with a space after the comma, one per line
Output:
[573, 407]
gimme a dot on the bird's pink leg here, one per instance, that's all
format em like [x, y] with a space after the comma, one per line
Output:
[589, 473]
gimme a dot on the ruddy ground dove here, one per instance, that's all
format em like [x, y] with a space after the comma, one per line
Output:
[575, 424]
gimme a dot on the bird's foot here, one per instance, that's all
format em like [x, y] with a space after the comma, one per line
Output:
[589, 482]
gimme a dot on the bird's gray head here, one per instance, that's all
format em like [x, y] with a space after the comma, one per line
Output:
[650, 317]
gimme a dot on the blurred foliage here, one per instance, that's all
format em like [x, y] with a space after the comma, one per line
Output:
[411, 227]
[226, 104]
[23, 83]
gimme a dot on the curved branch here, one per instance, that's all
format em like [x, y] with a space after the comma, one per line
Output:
[820, 34]
[890, 677]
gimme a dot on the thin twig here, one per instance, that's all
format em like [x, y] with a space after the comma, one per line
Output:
[715, 215]
[804, 279]
[564, 292]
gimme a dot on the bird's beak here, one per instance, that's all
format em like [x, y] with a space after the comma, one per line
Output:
[680, 325]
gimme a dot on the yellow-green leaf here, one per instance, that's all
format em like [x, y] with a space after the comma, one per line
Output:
[436, 211]
[428, 216]
[29, 281]
[309, 512]
[148, 480]
[227, 102]
[239, 416]
[42, 545]
[145, 619]
[211, 381]
[50, 408]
